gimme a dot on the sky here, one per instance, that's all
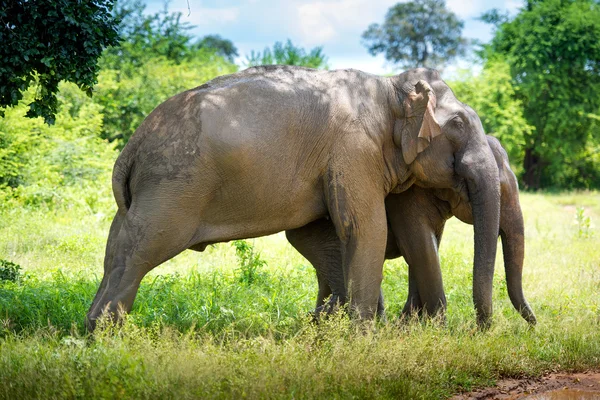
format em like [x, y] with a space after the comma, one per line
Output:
[337, 25]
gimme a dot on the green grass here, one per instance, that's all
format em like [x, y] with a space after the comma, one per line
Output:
[200, 328]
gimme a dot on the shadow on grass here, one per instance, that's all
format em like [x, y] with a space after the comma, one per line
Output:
[212, 302]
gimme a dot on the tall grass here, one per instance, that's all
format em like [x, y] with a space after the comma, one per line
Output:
[220, 325]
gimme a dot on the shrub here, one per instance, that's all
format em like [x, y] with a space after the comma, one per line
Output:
[9, 271]
[251, 265]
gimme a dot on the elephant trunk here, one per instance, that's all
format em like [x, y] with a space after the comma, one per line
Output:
[480, 171]
[512, 233]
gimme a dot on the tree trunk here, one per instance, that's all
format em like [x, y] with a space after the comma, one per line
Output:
[531, 164]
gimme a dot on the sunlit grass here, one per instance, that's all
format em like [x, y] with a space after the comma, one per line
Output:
[197, 330]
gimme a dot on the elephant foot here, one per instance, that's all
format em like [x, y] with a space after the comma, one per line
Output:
[411, 310]
[337, 303]
[381, 316]
[331, 306]
[107, 318]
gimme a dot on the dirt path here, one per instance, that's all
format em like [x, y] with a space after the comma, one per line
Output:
[556, 386]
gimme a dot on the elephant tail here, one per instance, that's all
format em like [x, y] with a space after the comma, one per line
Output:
[121, 178]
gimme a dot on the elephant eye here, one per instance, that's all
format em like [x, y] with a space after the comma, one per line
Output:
[457, 122]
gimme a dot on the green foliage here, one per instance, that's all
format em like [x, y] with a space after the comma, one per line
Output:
[288, 54]
[251, 265]
[495, 17]
[553, 48]
[329, 361]
[584, 224]
[50, 165]
[419, 33]
[127, 99]
[9, 271]
[492, 95]
[48, 41]
[14, 145]
[154, 61]
[221, 47]
[144, 37]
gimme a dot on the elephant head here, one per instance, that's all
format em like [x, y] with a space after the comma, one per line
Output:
[443, 144]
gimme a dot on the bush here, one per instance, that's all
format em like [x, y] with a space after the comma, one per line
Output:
[65, 164]
[128, 96]
[9, 271]
[492, 95]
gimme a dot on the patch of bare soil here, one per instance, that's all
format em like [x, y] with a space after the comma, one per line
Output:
[556, 386]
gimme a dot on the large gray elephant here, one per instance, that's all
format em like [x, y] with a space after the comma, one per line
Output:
[275, 148]
[416, 220]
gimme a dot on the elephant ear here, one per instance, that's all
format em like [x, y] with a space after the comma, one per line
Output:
[414, 131]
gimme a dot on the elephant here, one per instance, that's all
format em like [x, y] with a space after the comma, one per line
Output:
[273, 148]
[416, 219]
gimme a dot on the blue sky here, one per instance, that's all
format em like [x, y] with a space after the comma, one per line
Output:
[336, 25]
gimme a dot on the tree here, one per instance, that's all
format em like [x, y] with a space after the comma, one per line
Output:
[288, 54]
[154, 61]
[419, 33]
[143, 37]
[48, 41]
[553, 48]
[222, 47]
[127, 99]
[64, 164]
[492, 95]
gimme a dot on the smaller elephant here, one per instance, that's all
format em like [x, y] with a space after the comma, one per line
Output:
[416, 220]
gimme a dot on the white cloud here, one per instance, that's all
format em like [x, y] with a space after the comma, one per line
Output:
[466, 8]
[322, 21]
[316, 25]
[372, 65]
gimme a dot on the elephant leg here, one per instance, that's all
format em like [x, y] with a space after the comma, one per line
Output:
[325, 292]
[413, 305]
[357, 211]
[421, 253]
[139, 240]
[320, 245]
[381, 307]
[109, 253]
[417, 224]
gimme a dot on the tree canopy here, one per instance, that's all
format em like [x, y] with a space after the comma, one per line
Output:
[538, 90]
[493, 96]
[144, 36]
[49, 41]
[419, 33]
[553, 49]
[222, 47]
[156, 58]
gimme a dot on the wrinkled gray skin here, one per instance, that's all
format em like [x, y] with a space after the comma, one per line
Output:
[416, 220]
[274, 148]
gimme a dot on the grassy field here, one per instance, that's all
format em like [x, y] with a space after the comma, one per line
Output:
[201, 329]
